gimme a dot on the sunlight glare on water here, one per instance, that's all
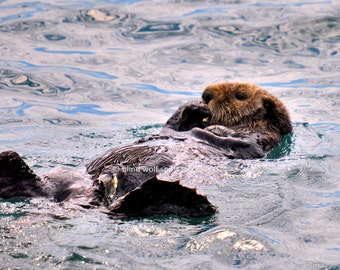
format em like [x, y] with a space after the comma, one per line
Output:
[80, 77]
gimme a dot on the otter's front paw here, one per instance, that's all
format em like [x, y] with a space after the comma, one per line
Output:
[188, 116]
[196, 112]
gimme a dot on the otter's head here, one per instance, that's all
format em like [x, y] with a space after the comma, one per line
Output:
[245, 106]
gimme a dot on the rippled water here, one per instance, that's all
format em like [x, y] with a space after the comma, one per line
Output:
[79, 77]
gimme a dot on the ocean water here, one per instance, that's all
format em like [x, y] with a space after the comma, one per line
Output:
[80, 77]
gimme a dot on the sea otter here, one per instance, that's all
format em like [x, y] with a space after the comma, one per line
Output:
[233, 120]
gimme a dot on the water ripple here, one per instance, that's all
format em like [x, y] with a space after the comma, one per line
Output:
[79, 77]
[206, 11]
[65, 108]
[16, 80]
[162, 91]
[156, 30]
[24, 26]
[63, 121]
[300, 83]
[34, 8]
[29, 66]
[54, 37]
[67, 52]
[112, 16]
[85, 108]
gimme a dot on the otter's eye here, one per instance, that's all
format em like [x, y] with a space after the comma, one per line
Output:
[241, 96]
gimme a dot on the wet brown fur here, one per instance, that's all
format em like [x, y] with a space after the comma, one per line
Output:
[248, 108]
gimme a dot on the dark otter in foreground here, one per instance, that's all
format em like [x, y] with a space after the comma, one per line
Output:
[233, 120]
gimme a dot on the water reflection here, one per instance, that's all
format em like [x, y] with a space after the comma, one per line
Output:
[113, 17]
[80, 77]
[17, 81]
[156, 30]
[162, 91]
[63, 121]
[44, 50]
[23, 65]
[22, 26]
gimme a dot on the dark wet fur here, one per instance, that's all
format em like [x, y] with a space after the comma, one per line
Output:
[157, 198]
[16, 178]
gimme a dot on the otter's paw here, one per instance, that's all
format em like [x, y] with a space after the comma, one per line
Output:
[195, 112]
[190, 115]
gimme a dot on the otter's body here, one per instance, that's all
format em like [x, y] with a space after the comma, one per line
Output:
[233, 121]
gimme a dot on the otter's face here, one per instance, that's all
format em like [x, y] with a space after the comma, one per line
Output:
[247, 105]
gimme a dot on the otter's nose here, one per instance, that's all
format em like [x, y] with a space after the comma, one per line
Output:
[207, 95]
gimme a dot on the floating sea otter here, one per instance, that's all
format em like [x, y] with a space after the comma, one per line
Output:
[233, 120]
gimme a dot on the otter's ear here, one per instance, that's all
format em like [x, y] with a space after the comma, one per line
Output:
[268, 103]
[277, 115]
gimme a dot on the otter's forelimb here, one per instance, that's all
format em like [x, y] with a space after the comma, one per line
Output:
[243, 147]
[190, 115]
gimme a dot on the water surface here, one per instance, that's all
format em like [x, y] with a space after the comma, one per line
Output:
[80, 77]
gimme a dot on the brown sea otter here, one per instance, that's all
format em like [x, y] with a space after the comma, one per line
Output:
[233, 120]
